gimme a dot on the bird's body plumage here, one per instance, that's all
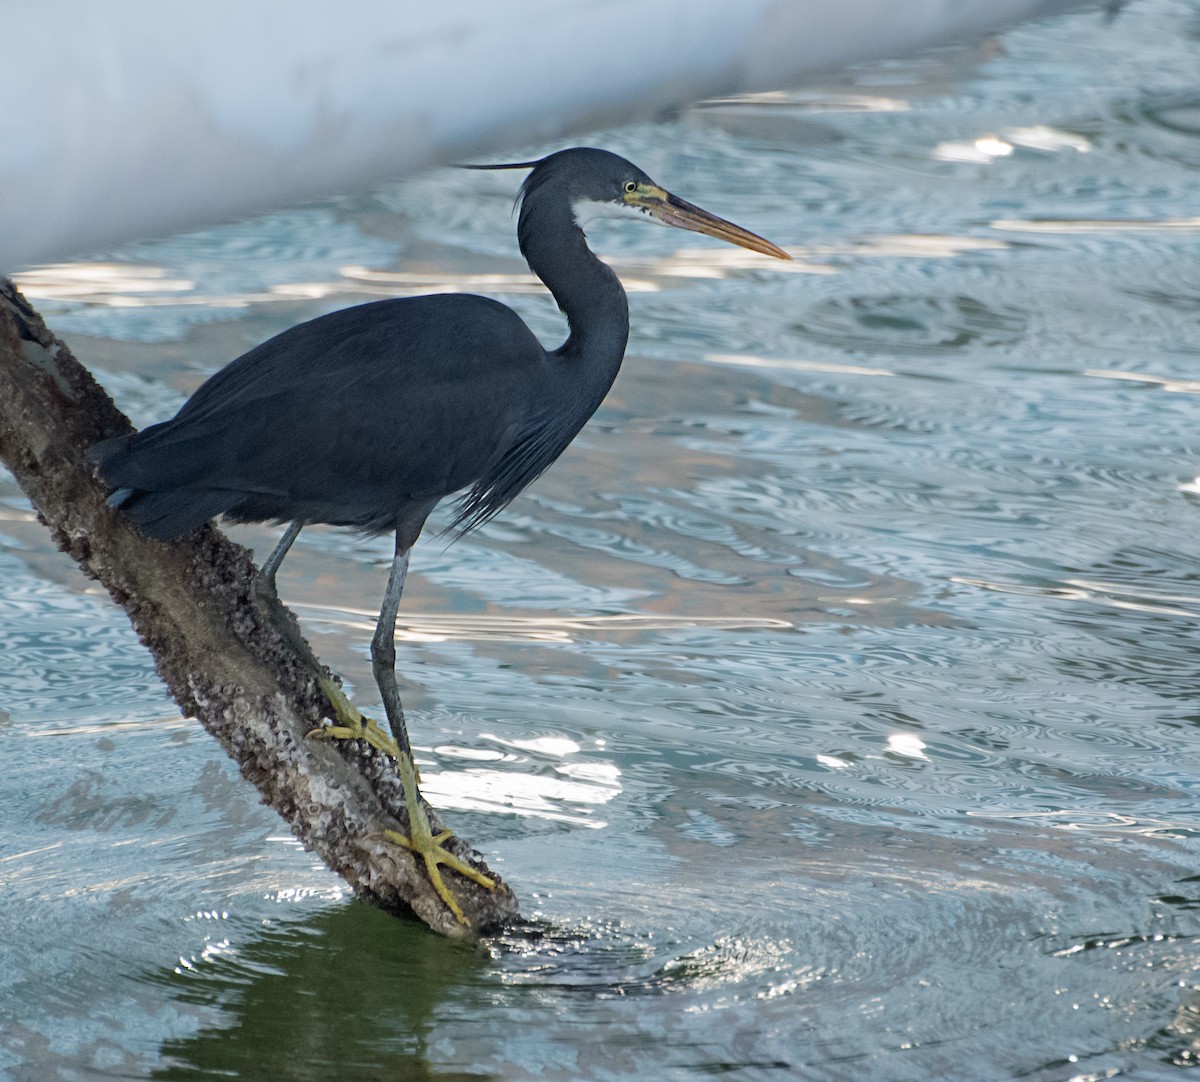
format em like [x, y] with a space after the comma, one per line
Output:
[370, 416]
[365, 417]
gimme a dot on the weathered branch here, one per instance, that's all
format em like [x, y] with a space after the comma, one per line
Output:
[190, 603]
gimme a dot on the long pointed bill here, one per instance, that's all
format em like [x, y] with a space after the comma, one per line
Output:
[671, 210]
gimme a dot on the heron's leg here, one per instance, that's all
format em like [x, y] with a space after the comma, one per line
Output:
[383, 650]
[264, 582]
[420, 838]
[349, 722]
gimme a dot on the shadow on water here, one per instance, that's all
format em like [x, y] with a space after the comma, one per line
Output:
[350, 993]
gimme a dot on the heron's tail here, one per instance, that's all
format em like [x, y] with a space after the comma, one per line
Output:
[163, 513]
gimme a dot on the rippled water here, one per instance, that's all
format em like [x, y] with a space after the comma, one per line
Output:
[831, 705]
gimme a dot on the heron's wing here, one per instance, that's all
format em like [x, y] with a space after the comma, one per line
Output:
[411, 398]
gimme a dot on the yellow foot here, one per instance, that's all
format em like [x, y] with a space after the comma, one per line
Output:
[422, 841]
[433, 853]
[350, 724]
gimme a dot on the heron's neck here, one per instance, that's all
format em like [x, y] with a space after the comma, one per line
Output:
[586, 290]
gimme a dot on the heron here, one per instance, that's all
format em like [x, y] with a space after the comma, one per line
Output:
[370, 416]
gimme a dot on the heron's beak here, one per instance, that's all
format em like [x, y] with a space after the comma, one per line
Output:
[671, 210]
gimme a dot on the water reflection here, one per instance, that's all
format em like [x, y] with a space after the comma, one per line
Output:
[94, 282]
[812, 100]
[448, 627]
[1166, 383]
[797, 365]
[1077, 226]
[1114, 595]
[985, 149]
[899, 324]
[544, 778]
[348, 993]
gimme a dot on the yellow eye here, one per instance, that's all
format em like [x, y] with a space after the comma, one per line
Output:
[630, 187]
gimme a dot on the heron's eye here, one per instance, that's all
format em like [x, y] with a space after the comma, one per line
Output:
[630, 187]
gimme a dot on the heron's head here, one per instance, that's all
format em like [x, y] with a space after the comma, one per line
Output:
[599, 184]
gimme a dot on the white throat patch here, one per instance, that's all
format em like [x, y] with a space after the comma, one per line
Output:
[590, 210]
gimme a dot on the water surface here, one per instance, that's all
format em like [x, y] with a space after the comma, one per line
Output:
[831, 705]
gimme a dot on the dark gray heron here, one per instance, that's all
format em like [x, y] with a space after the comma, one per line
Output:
[370, 416]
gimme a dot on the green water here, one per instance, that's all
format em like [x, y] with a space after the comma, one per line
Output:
[831, 705]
